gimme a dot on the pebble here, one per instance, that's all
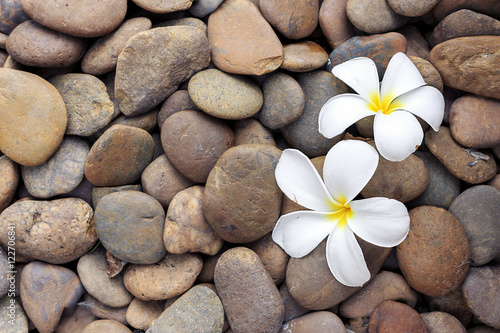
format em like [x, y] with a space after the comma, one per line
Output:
[57, 231]
[163, 7]
[9, 179]
[198, 310]
[482, 292]
[46, 291]
[225, 96]
[283, 103]
[293, 19]
[417, 45]
[32, 44]
[465, 62]
[478, 211]
[474, 121]
[202, 8]
[251, 300]
[362, 13]
[61, 173]
[76, 322]
[461, 163]
[102, 55]
[186, 229]
[92, 271]
[31, 133]
[104, 311]
[390, 316]
[313, 286]
[429, 73]
[412, 8]
[106, 325]
[442, 322]
[334, 22]
[4, 269]
[272, 256]
[170, 277]
[292, 308]
[453, 303]
[380, 48]
[193, 142]
[434, 258]
[242, 41]
[303, 57]
[130, 225]
[482, 329]
[99, 192]
[251, 131]
[178, 101]
[16, 324]
[446, 7]
[147, 121]
[170, 55]
[141, 314]
[119, 156]
[75, 18]
[495, 182]
[318, 321]
[11, 15]
[242, 201]
[303, 133]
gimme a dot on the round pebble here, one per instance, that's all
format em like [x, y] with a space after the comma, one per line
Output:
[272, 256]
[104, 311]
[11, 15]
[412, 8]
[429, 73]
[318, 321]
[178, 101]
[334, 22]
[438, 322]
[9, 179]
[251, 131]
[362, 13]
[390, 316]
[162, 7]
[453, 303]
[189, 21]
[303, 57]
[141, 314]
[106, 325]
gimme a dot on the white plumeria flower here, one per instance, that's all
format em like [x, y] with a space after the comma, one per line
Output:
[348, 167]
[394, 103]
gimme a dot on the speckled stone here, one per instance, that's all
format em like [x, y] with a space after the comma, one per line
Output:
[251, 131]
[9, 179]
[106, 325]
[224, 95]
[442, 322]
[390, 316]
[334, 22]
[11, 15]
[303, 57]
[318, 321]
[434, 257]
[412, 8]
[98, 192]
[362, 12]
[176, 102]
[141, 314]
[10, 306]
[130, 225]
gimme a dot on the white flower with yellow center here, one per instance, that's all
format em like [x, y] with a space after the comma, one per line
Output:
[348, 167]
[401, 95]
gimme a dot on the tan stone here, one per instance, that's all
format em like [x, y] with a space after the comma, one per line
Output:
[303, 57]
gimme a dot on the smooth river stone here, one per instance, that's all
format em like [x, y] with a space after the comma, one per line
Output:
[119, 156]
[9, 306]
[251, 300]
[102, 56]
[438, 321]
[32, 44]
[362, 13]
[193, 142]
[318, 322]
[163, 7]
[11, 15]
[412, 8]
[155, 62]
[76, 321]
[140, 314]
[130, 226]
[478, 211]
[198, 310]
[429, 73]
[202, 8]
[446, 7]
[170, 277]
[106, 325]
[223, 95]
[303, 133]
[242, 200]
[74, 17]
[417, 44]
[57, 231]
[176, 102]
[303, 57]
[46, 291]
[9, 179]
[453, 303]
[434, 258]
[5, 268]
[33, 117]
[242, 41]
[465, 63]
[334, 22]
[311, 283]
[251, 131]
[99, 192]
[104, 311]
[273, 257]
[390, 316]
[61, 173]
[461, 163]
[189, 21]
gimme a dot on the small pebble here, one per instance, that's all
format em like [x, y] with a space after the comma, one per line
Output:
[303, 57]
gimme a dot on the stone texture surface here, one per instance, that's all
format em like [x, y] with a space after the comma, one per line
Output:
[272, 256]
[9, 179]
[104, 311]
[141, 314]
[429, 73]
[106, 325]
[20, 322]
[446, 7]
[453, 303]
[162, 7]
[442, 322]
[412, 8]
[392, 316]
[251, 131]
[318, 321]
[178, 101]
[12, 15]
[77, 321]
[361, 13]
[334, 22]
[417, 45]
[303, 57]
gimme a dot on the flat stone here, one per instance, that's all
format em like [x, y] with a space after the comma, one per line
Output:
[163, 7]
[272, 256]
[442, 322]
[242, 41]
[225, 96]
[57, 231]
[412, 8]
[176, 102]
[119, 156]
[303, 57]
[18, 323]
[251, 300]
[242, 201]
[106, 325]
[61, 173]
[170, 55]
[465, 63]
[334, 22]
[189, 21]
[251, 131]
[434, 257]
[11, 15]
[141, 314]
[31, 132]
[9, 179]
[104, 311]
[130, 226]
[318, 321]
[102, 55]
[390, 316]
[362, 12]
[32, 44]
[75, 18]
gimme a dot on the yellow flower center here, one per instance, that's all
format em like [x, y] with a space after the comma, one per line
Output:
[386, 104]
[341, 211]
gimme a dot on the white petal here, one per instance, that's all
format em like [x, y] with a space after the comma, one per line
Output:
[298, 179]
[349, 166]
[345, 258]
[380, 221]
[426, 102]
[400, 77]
[340, 112]
[397, 135]
[298, 233]
[360, 74]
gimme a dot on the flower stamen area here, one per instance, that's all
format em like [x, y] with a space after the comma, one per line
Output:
[386, 105]
[341, 211]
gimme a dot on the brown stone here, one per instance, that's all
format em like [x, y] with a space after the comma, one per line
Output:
[162, 7]
[11, 16]
[147, 121]
[292, 308]
[77, 321]
[438, 322]
[429, 73]
[104, 311]
[446, 7]
[303, 57]
[362, 12]
[106, 325]
[434, 257]
[453, 303]
[99, 192]
[392, 316]
[251, 131]
[412, 8]
[272, 256]
[9, 179]
[334, 22]
[417, 44]
[140, 314]
[238, 28]
[470, 64]
[189, 21]
[178, 101]
[318, 321]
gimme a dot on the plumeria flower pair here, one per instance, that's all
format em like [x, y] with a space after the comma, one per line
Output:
[333, 213]
[395, 102]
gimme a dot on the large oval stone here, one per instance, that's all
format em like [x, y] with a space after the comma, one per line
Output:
[434, 257]
[33, 117]
[251, 300]
[130, 226]
[334, 22]
[362, 13]
[390, 316]
[168, 55]
[241, 200]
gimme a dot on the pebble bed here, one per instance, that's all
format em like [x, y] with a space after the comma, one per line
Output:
[138, 143]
